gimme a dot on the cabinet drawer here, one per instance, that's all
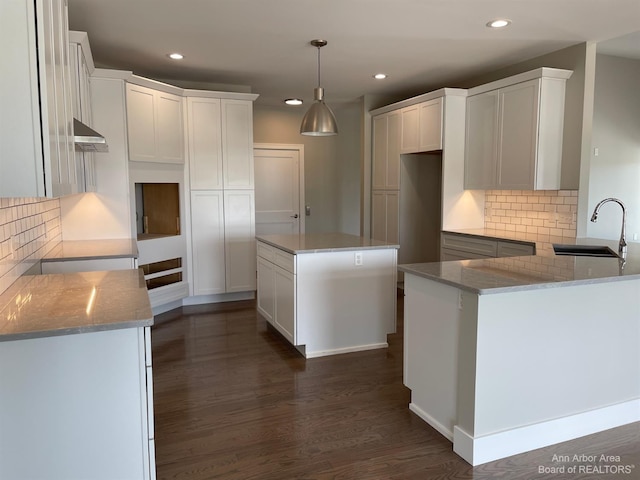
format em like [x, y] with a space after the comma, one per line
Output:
[471, 245]
[447, 255]
[267, 252]
[514, 249]
[286, 261]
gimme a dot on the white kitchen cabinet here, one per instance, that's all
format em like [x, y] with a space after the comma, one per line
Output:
[220, 135]
[207, 239]
[276, 299]
[514, 132]
[237, 144]
[385, 210]
[239, 240]
[422, 127]
[155, 125]
[82, 404]
[386, 151]
[464, 247]
[205, 143]
[35, 125]
[81, 66]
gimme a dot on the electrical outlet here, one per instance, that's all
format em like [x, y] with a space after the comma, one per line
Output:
[460, 303]
[358, 259]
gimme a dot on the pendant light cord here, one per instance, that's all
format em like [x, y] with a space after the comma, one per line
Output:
[318, 66]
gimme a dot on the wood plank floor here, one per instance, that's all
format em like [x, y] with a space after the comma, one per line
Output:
[233, 400]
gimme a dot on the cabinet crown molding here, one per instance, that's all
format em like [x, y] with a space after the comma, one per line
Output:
[542, 72]
[442, 92]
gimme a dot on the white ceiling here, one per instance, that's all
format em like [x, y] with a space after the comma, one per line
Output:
[264, 44]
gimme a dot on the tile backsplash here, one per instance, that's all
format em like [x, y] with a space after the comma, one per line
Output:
[29, 228]
[545, 212]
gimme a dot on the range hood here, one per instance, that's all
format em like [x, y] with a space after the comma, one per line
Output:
[87, 139]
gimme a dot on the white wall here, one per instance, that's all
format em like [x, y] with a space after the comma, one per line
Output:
[615, 172]
[332, 164]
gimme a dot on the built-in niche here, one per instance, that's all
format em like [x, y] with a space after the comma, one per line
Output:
[165, 272]
[157, 210]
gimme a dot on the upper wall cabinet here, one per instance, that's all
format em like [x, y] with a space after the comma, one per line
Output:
[155, 125]
[80, 69]
[386, 151]
[220, 135]
[422, 127]
[514, 130]
[36, 147]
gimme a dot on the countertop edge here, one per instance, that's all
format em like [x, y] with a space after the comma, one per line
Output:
[295, 251]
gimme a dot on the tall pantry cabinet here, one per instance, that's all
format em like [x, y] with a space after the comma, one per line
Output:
[221, 178]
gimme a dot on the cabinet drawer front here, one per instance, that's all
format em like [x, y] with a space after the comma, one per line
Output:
[449, 254]
[286, 261]
[512, 249]
[267, 252]
[481, 246]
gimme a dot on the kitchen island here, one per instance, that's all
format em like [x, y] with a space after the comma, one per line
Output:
[507, 355]
[328, 293]
[76, 395]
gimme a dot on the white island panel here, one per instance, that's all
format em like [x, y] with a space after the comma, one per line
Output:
[344, 307]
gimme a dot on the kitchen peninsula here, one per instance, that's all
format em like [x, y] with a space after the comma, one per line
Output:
[76, 395]
[328, 293]
[506, 355]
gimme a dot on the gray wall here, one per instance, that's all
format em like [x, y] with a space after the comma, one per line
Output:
[615, 172]
[332, 164]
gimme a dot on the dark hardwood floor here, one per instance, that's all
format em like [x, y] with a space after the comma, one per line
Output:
[233, 400]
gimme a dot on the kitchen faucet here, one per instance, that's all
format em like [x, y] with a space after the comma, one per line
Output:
[622, 246]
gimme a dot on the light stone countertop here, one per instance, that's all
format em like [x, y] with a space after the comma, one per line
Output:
[92, 249]
[62, 304]
[322, 242]
[543, 270]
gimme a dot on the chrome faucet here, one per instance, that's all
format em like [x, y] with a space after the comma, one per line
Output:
[622, 246]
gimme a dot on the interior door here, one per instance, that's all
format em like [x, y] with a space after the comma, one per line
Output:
[279, 189]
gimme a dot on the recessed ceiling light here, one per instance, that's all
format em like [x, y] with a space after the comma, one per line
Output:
[380, 76]
[499, 23]
[293, 101]
[176, 56]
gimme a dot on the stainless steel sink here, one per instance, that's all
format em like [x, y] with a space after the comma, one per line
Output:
[584, 250]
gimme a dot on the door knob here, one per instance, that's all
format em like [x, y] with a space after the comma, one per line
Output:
[294, 216]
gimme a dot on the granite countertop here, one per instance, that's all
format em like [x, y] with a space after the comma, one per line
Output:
[543, 270]
[62, 304]
[92, 249]
[323, 242]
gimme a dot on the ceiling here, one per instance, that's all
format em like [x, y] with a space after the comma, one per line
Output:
[263, 45]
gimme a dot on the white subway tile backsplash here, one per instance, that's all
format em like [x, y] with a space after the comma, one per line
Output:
[548, 212]
[29, 228]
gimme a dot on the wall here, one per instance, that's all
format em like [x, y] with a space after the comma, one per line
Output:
[615, 172]
[548, 212]
[332, 164]
[29, 228]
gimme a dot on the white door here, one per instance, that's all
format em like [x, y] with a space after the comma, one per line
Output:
[279, 188]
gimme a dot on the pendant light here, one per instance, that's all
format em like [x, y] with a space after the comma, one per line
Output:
[319, 120]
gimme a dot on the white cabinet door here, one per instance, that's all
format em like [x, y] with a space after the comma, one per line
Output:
[410, 129]
[481, 144]
[155, 125]
[141, 118]
[207, 237]
[205, 143]
[385, 215]
[170, 128]
[518, 136]
[285, 303]
[430, 121]
[237, 144]
[240, 245]
[266, 295]
[386, 150]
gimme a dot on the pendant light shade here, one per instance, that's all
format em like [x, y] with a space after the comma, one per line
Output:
[319, 120]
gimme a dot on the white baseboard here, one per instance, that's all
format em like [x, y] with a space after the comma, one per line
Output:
[519, 440]
[337, 351]
[448, 434]
[219, 298]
